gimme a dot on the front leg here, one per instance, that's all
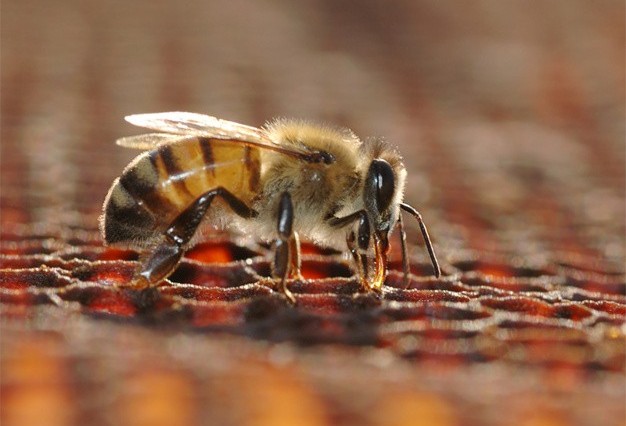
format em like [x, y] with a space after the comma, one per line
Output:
[165, 257]
[359, 244]
[284, 260]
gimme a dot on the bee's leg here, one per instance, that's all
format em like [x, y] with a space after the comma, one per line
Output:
[360, 258]
[159, 264]
[363, 240]
[406, 267]
[354, 251]
[295, 261]
[359, 246]
[283, 245]
[162, 261]
[429, 245]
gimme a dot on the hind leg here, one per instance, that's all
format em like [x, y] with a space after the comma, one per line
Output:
[165, 257]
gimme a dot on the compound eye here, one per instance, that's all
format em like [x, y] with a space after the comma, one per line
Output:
[381, 180]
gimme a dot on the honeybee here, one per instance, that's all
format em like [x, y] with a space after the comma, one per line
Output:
[286, 180]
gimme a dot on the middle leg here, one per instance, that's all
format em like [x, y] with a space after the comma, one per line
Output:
[295, 261]
[285, 250]
[358, 244]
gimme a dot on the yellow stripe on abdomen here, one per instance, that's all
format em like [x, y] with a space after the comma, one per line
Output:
[187, 169]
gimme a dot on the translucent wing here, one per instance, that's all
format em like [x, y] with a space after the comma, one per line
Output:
[149, 140]
[192, 124]
[177, 126]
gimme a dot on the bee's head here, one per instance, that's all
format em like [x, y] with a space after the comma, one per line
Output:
[382, 198]
[382, 193]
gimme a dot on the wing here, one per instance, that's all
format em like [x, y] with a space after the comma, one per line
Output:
[191, 124]
[177, 126]
[149, 140]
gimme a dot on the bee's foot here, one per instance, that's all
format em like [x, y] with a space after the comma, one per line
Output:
[138, 282]
[297, 277]
[287, 293]
[368, 288]
[290, 297]
[280, 287]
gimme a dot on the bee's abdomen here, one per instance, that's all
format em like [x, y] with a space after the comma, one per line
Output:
[125, 218]
[158, 185]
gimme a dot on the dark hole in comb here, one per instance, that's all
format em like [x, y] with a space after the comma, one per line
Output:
[219, 252]
[118, 254]
[263, 268]
[211, 275]
[306, 248]
[323, 269]
[309, 248]
[311, 269]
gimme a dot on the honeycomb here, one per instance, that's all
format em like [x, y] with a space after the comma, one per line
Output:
[515, 161]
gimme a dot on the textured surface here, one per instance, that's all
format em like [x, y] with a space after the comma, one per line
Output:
[510, 119]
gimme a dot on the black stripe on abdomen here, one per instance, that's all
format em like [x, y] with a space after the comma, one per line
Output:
[207, 153]
[142, 181]
[173, 170]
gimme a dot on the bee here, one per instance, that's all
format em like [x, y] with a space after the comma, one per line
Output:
[286, 180]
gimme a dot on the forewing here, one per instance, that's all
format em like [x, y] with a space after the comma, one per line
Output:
[149, 140]
[181, 125]
[192, 124]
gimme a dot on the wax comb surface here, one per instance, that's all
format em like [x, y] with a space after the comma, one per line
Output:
[510, 122]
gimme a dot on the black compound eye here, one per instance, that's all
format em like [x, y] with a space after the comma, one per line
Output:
[381, 181]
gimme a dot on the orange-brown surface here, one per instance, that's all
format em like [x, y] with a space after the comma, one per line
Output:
[510, 117]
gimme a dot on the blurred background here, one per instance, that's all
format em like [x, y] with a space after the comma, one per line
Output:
[510, 117]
